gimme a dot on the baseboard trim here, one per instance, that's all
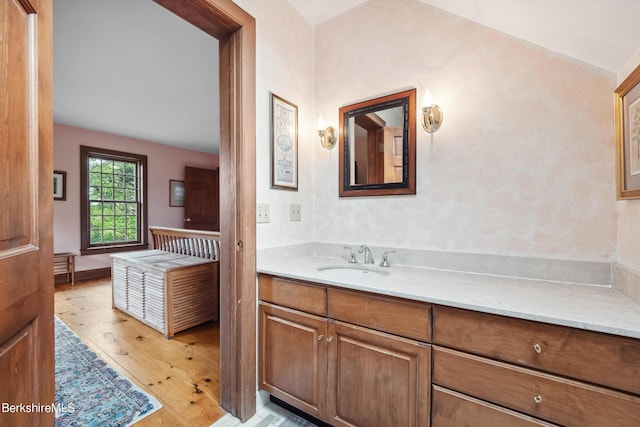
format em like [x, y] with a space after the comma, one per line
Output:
[98, 273]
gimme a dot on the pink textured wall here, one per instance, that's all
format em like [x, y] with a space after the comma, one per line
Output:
[164, 163]
[523, 164]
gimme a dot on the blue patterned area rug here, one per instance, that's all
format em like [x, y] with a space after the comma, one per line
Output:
[89, 392]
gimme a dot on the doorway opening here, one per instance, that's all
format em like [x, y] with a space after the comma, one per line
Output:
[235, 31]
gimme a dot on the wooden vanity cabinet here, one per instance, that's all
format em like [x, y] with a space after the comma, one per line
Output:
[453, 409]
[376, 379]
[602, 359]
[558, 374]
[355, 373]
[293, 357]
[354, 358]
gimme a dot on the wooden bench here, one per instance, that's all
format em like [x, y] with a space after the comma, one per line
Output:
[65, 263]
[173, 286]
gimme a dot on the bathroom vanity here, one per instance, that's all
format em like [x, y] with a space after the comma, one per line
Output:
[386, 351]
[330, 353]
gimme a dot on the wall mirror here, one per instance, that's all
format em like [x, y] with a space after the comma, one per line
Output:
[378, 146]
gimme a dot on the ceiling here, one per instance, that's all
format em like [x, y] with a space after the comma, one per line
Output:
[134, 69]
[604, 33]
[153, 81]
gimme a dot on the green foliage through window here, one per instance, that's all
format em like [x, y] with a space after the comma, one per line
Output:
[114, 196]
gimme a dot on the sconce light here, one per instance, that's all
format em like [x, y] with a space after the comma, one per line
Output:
[327, 135]
[431, 113]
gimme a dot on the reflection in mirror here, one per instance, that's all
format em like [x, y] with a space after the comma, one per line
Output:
[377, 146]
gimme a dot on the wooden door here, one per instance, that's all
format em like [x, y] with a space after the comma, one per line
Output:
[201, 199]
[293, 357]
[376, 379]
[393, 154]
[26, 213]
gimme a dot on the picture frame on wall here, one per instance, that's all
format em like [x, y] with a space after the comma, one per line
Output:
[176, 193]
[59, 185]
[284, 144]
[627, 128]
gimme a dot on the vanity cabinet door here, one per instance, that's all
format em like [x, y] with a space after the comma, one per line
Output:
[293, 357]
[376, 379]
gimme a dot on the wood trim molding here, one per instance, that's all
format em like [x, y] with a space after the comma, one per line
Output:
[236, 31]
[97, 273]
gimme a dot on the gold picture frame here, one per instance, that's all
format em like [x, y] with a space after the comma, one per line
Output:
[627, 131]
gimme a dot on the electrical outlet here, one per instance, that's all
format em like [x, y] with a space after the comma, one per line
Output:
[263, 215]
[295, 212]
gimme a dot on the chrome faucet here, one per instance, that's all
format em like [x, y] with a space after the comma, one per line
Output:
[352, 256]
[368, 258]
[384, 262]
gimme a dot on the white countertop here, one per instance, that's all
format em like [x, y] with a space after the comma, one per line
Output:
[596, 308]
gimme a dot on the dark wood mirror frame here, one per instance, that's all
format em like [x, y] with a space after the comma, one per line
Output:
[405, 99]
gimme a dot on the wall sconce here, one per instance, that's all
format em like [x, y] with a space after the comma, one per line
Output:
[327, 135]
[431, 113]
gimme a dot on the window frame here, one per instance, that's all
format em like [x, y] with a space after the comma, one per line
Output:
[86, 248]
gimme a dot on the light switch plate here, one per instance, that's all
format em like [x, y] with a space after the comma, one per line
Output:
[295, 212]
[263, 215]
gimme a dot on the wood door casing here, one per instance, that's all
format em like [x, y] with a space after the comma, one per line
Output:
[26, 212]
[201, 199]
[235, 29]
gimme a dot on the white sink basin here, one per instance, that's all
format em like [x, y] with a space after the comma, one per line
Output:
[355, 271]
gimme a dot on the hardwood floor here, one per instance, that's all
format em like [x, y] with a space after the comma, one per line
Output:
[183, 373]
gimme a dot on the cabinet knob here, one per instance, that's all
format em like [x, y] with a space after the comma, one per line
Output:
[537, 399]
[537, 348]
[320, 337]
[329, 339]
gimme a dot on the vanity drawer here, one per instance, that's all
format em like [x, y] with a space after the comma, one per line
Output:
[292, 294]
[453, 409]
[591, 356]
[540, 395]
[410, 319]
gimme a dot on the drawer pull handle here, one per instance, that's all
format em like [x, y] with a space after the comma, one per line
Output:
[329, 339]
[537, 348]
[320, 337]
[537, 398]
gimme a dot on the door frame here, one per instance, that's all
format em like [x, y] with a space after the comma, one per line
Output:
[235, 30]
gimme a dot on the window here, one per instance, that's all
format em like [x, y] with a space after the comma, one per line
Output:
[113, 201]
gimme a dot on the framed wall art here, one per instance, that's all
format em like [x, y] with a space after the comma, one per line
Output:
[284, 144]
[176, 193]
[627, 127]
[59, 185]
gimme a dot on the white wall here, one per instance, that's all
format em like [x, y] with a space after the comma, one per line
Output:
[629, 210]
[523, 164]
[284, 66]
